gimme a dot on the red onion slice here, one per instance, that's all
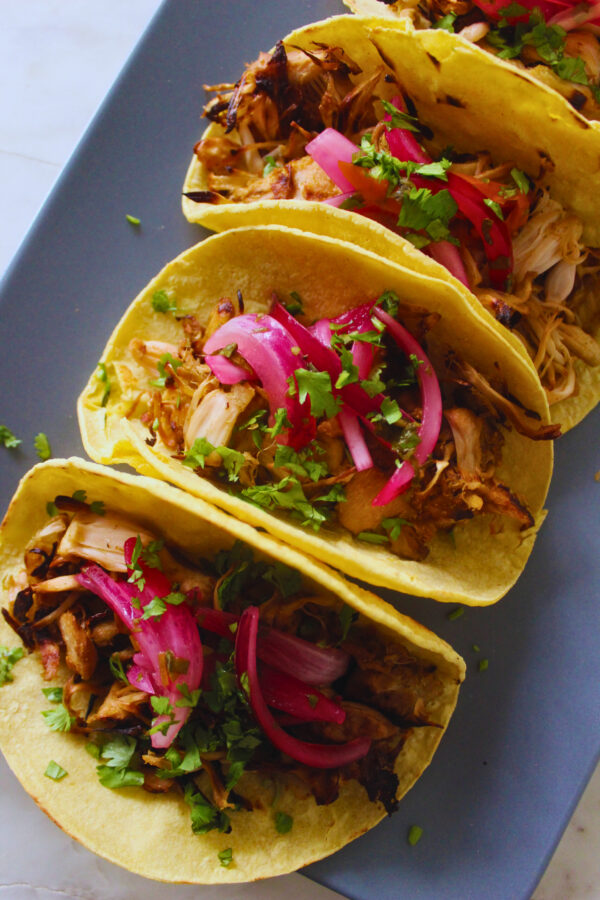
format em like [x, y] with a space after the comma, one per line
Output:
[318, 756]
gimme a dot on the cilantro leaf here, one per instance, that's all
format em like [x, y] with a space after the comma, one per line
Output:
[118, 751]
[119, 778]
[446, 23]
[166, 359]
[205, 817]
[270, 163]
[348, 617]
[54, 771]
[42, 446]
[53, 694]
[162, 303]
[59, 719]
[283, 822]
[399, 119]
[226, 857]
[316, 386]
[154, 609]
[8, 659]
[7, 438]
[102, 376]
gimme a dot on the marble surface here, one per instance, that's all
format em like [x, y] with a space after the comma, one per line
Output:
[60, 57]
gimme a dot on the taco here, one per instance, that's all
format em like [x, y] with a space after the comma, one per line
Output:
[345, 130]
[553, 42]
[130, 599]
[377, 422]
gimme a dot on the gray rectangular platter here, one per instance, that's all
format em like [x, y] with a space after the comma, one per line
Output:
[526, 734]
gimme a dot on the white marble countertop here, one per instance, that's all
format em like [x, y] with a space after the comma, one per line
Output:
[60, 57]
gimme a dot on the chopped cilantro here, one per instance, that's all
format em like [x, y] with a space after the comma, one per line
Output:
[446, 23]
[166, 359]
[424, 211]
[317, 387]
[118, 751]
[54, 771]
[93, 749]
[154, 609]
[8, 659]
[296, 307]
[7, 438]
[456, 613]
[495, 206]
[188, 699]
[483, 665]
[226, 857]
[399, 119]
[283, 822]
[102, 376]
[232, 460]
[116, 667]
[59, 719]
[162, 303]
[521, 180]
[270, 164]
[52, 509]
[476, 648]
[119, 778]
[161, 706]
[204, 815]
[80, 496]
[394, 527]
[133, 220]
[301, 464]
[42, 446]
[280, 421]
[348, 617]
[286, 494]
[372, 537]
[389, 301]
[53, 694]
[97, 507]
[415, 833]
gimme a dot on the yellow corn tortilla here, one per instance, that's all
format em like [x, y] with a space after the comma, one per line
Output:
[330, 276]
[153, 836]
[460, 91]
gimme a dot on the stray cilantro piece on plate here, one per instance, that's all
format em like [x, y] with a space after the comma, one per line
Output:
[226, 857]
[7, 438]
[283, 822]
[456, 613]
[8, 659]
[54, 771]
[415, 833]
[483, 665]
[133, 220]
[476, 648]
[42, 446]
[59, 719]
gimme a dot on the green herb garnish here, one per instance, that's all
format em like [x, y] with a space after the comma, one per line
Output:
[7, 438]
[42, 446]
[283, 822]
[54, 771]
[59, 719]
[9, 657]
[415, 833]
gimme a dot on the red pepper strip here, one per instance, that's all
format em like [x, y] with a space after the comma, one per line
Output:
[295, 697]
[515, 209]
[326, 360]
[285, 652]
[318, 756]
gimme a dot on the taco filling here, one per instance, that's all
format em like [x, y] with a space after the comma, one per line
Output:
[226, 683]
[304, 130]
[345, 421]
[557, 39]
